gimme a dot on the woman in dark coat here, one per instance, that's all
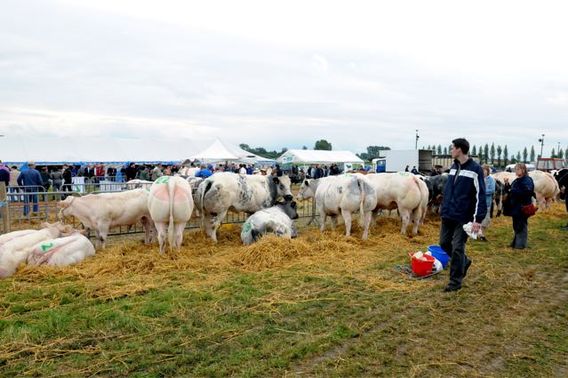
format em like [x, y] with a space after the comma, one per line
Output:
[520, 194]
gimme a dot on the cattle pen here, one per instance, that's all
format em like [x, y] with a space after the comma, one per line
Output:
[321, 304]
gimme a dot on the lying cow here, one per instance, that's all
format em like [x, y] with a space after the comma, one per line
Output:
[277, 219]
[403, 191]
[64, 251]
[5, 238]
[170, 204]
[343, 195]
[100, 212]
[16, 251]
[223, 191]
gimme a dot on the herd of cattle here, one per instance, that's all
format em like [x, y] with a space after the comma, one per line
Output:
[165, 206]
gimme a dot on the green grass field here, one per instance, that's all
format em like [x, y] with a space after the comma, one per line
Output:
[320, 305]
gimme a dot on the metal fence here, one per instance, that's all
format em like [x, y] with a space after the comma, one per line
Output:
[26, 207]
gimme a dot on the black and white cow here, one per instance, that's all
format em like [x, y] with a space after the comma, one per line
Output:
[251, 193]
[277, 219]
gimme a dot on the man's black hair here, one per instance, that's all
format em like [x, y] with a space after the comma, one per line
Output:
[462, 144]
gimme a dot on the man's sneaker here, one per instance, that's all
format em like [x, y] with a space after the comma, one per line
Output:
[451, 288]
[466, 267]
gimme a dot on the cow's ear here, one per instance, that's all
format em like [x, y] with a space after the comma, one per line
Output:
[275, 180]
[306, 182]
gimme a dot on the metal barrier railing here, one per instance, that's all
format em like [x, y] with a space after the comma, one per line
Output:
[25, 207]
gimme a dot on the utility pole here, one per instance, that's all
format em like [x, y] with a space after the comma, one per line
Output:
[417, 137]
[541, 140]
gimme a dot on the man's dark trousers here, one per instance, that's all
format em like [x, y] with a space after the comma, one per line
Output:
[452, 240]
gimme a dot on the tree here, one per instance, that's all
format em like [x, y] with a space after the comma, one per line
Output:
[492, 153]
[322, 145]
[561, 154]
[474, 150]
[505, 156]
[245, 147]
[304, 148]
[375, 151]
[486, 152]
[525, 155]
[480, 156]
[532, 154]
[445, 150]
[553, 153]
[499, 152]
[439, 150]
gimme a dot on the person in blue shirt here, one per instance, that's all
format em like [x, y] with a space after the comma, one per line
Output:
[205, 172]
[464, 201]
[30, 180]
[489, 190]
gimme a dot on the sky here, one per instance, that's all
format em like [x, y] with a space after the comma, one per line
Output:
[287, 73]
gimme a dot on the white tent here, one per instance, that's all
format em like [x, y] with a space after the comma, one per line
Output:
[221, 151]
[318, 157]
[42, 150]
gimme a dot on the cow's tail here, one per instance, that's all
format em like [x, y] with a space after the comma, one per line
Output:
[363, 188]
[248, 234]
[424, 197]
[171, 191]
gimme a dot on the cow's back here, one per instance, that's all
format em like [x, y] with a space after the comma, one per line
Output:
[170, 194]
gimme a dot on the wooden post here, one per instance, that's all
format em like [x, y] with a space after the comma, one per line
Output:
[4, 208]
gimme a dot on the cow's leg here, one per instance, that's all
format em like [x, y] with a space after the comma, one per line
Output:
[147, 224]
[366, 224]
[178, 234]
[216, 222]
[405, 218]
[208, 224]
[102, 235]
[333, 221]
[416, 217]
[323, 217]
[346, 214]
[162, 229]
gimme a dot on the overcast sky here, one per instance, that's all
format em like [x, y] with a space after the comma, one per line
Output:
[284, 74]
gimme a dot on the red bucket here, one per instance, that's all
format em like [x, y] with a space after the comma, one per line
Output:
[422, 267]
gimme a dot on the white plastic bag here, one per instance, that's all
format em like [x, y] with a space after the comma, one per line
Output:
[467, 228]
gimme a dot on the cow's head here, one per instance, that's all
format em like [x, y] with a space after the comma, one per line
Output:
[282, 185]
[307, 189]
[63, 207]
[289, 208]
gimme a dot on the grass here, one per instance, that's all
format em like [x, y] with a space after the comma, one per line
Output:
[319, 305]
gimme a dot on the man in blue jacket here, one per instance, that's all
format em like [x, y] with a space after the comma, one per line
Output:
[31, 181]
[464, 202]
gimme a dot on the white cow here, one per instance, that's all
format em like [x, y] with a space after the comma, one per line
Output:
[16, 251]
[277, 219]
[137, 183]
[170, 203]
[5, 238]
[64, 251]
[405, 192]
[343, 195]
[100, 212]
[225, 190]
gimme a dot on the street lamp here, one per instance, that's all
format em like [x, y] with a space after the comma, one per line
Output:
[417, 137]
[541, 140]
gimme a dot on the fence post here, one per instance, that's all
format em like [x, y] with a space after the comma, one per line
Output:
[4, 208]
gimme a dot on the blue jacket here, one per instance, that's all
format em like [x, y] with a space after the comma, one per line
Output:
[30, 178]
[464, 193]
[522, 191]
[489, 190]
[203, 173]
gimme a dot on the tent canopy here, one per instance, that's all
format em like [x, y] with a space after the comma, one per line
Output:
[81, 150]
[318, 157]
[221, 151]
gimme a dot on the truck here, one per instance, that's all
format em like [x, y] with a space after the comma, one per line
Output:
[398, 160]
[550, 164]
